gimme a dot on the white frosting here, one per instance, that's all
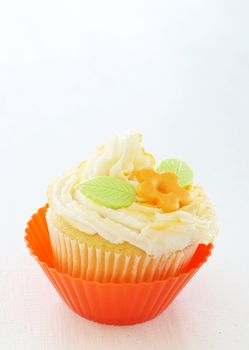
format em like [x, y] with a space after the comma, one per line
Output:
[118, 157]
[146, 227]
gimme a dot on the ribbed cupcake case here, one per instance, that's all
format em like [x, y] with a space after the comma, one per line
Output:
[91, 263]
[110, 303]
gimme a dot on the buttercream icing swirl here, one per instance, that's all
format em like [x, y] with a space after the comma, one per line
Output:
[147, 227]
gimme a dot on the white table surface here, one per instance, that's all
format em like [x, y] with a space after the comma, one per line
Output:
[73, 72]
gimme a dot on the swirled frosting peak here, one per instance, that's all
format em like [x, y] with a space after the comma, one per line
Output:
[119, 157]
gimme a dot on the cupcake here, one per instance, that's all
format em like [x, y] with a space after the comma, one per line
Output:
[122, 217]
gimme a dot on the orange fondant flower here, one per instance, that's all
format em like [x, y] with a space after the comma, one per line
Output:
[161, 189]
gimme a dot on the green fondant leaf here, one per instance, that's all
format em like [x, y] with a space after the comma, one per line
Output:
[179, 167]
[109, 191]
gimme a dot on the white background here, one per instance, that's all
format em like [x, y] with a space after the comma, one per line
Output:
[72, 73]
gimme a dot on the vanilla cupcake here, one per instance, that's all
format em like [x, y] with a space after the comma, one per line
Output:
[120, 218]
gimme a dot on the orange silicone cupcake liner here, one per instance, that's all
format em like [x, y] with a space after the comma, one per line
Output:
[110, 303]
